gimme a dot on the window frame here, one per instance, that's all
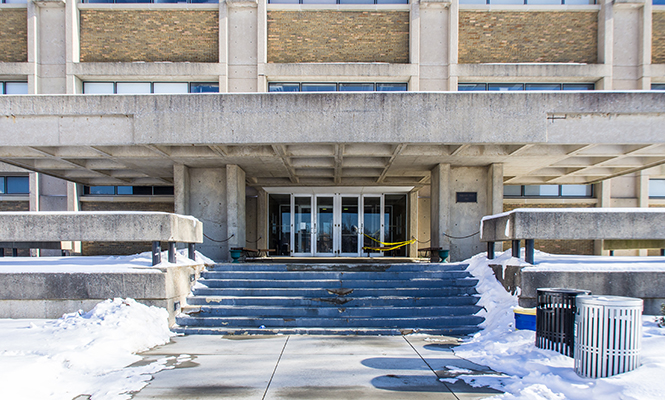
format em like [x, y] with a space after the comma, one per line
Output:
[4, 185]
[86, 190]
[152, 87]
[560, 195]
[375, 86]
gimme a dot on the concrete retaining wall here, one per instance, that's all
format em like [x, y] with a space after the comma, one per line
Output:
[647, 285]
[50, 295]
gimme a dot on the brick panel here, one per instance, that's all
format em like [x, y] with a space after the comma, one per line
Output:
[149, 35]
[14, 35]
[338, 36]
[510, 37]
[658, 38]
[121, 248]
[582, 247]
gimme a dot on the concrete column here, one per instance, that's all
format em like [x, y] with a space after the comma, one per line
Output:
[34, 191]
[432, 43]
[262, 219]
[604, 196]
[206, 201]
[181, 189]
[644, 63]
[440, 206]
[242, 45]
[235, 206]
[33, 47]
[414, 43]
[412, 250]
[72, 44]
[453, 44]
[262, 45]
[46, 40]
[605, 43]
[495, 194]
[628, 42]
[224, 46]
[642, 199]
[74, 191]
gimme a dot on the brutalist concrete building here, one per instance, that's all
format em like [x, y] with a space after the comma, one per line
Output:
[329, 128]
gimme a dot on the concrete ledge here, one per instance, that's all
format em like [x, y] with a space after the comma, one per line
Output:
[49, 295]
[348, 71]
[574, 224]
[148, 70]
[99, 226]
[587, 73]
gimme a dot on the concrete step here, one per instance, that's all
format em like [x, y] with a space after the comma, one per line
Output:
[335, 283]
[347, 275]
[349, 301]
[328, 312]
[417, 267]
[335, 292]
[324, 322]
[207, 330]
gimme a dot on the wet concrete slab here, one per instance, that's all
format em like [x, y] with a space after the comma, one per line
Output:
[309, 367]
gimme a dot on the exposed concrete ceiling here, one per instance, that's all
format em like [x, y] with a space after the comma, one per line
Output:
[335, 164]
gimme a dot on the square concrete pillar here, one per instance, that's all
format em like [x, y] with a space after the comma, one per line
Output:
[440, 206]
[181, 189]
[262, 219]
[495, 194]
[412, 250]
[235, 206]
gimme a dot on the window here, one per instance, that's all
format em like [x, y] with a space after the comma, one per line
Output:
[14, 185]
[14, 1]
[657, 188]
[534, 2]
[128, 190]
[659, 2]
[149, 87]
[148, 1]
[337, 87]
[506, 87]
[338, 2]
[548, 191]
[14, 87]
[658, 86]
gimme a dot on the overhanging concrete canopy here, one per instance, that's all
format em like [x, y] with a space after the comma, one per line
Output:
[335, 138]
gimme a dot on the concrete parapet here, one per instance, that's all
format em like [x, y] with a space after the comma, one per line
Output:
[99, 226]
[49, 295]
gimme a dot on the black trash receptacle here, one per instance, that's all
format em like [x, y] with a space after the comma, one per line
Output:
[555, 319]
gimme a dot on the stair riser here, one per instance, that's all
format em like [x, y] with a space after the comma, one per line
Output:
[308, 275]
[323, 293]
[334, 302]
[332, 312]
[351, 268]
[335, 284]
[424, 322]
[456, 331]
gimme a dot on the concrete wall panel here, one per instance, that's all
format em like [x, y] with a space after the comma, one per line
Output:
[510, 37]
[338, 36]
[207, 202]
[149, 35]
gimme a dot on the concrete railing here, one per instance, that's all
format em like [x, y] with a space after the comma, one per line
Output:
[529, 224]
[43, 229]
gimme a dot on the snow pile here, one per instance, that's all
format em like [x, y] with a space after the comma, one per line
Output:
[82, 354]
[526, 372]
[95, 264]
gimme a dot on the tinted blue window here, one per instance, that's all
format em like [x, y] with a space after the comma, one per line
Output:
[2, 184]
[391, 87]
[284, 87]
[578, 86]
[125, 190]
[659, 2]
[108, 190]
[658, 86]
[18, 184]
[204, 88]
[318, 87]
[471, 87]
[356, 87]
[542, 86]
[505, 87]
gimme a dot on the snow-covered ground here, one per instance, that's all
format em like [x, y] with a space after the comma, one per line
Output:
[527, 372]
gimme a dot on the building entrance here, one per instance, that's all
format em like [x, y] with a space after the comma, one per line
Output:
[336, 224]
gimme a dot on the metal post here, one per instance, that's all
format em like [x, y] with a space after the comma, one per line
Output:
[172, 252]
[516, 248]
[156, 252]
[191, 251]
[14, 252]
[530, 247]
[490, 250]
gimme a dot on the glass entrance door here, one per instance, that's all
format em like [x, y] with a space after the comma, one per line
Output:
[348, 226]
[324, 228]
[372, 224]
[301, 234]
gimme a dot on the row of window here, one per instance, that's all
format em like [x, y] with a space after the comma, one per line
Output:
[658, 86]
[336, 87]
[506, 87]
[548, 191]
[128, 190]
[493, 2]
[532, 2]
[14, 185]
[149, 87]
[13, 87]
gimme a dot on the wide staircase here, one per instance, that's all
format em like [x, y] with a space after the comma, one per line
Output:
[363, 299]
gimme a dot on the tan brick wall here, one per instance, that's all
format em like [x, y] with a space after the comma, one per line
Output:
[509, 37]
[556, 246]
[121, 248]
[338, 36]
[149, 35]
[658, 38]
[14, 35]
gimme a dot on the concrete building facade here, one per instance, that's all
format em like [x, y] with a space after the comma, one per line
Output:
[115, 97]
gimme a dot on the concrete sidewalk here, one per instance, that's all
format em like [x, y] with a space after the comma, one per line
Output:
[310, 367]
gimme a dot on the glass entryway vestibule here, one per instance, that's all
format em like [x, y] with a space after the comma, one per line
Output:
[336, 224]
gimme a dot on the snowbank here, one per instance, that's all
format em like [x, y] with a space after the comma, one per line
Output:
[95, 264]
[526, 372]
[81, 354]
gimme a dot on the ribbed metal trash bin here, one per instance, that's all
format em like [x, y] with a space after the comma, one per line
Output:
[555, 319]
[608, 332]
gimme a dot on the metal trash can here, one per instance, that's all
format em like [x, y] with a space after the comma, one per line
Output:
[608, 332]
[555, 319]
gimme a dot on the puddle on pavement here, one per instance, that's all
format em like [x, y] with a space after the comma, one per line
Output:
[169, 362]
[245, 336]
[322, 392]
